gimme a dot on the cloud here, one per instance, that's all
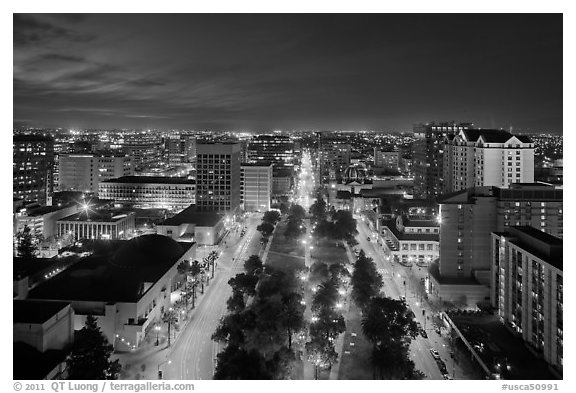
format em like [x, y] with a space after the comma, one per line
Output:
[30, 30]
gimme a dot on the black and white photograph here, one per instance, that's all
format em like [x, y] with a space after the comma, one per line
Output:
[249, 196]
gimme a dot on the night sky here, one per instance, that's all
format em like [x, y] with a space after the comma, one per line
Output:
[265, 72]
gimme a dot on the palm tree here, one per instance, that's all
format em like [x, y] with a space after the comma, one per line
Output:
[170, 317]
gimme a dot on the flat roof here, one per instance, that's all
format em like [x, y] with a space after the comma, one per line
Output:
[103, 215]
[116, 274]
[191, 216]
[41, 210]
[425, 237]
[151, 180]
[31, 364]
[36, 311]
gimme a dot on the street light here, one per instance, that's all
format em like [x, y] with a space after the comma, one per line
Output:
[157, 328]
[160, 371]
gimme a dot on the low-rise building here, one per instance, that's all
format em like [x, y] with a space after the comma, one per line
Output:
[125, 284]
[527, 288]
[42, 220]
[150, 192]
[204, 228]
[412, 241]
[98, 224]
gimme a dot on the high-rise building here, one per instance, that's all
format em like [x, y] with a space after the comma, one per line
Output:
[275, 149]
[218, 177]
[386, 159]
[256, 187]
[427, 164]
[174, 150]
[334, 156]
[466, 220]
[32, 167]
[476, 158]
[84, 172]
[528, 288]
[188, 143]
[148, 192]
[144, 148]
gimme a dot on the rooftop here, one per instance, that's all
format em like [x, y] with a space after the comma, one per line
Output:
[101, 215]
[541, 244]
[151, 180]
[115, 274]
[31, 364]
[391, 224]
[36, 311]
[191, 216]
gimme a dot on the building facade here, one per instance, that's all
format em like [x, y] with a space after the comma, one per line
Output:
[277, 150]
[476, 158]
[100, 224]
[32, 167]
[218, 177]
[84, 172]
[527, 288]
[144, 149]
[387, 159]
[412, 241]
[256, 187]
[148, 192]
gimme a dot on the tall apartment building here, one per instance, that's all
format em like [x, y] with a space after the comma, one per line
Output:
[148, 192]
[255, 187]
[428, 160]
[467, 219]
[275, 149]
[218, 177]
[32, 167]
[476, 158]
[527, 288]
[144, 148]
[84, 172]
[334, 156]
[387, 159]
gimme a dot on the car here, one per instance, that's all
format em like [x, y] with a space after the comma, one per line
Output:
[434, 353]
[423, 333]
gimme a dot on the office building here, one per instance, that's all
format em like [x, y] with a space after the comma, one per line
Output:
[427, 161]
[255, 187]
[32, 167]
[98, 224]
[476, 158]
[527, 288]
[84, 172]
[148, 192]
[218, 177]
[334, 156]
[387, 159]
[144, 148]
[42, 219]
[411, 241]
[275, 149]
[188, 144]
[466, 220]
[173, 150]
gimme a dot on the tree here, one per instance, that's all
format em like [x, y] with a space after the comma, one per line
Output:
[236, 303]
[280, 366]
[265, 229]
[318, 208]
[26, 247]
[170, 317]
[321, 353]
[366, 281]
[233, 327]
[292, 317]
[271, 216]
[239, 364]
[319, 272]
[326, 296]
[388, 324]
[253, 264]
[90, 355]
[244, 284]
[294, 228]
[329, 325]
[297, 212]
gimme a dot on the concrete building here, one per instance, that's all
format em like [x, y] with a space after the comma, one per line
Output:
[218, 177]
[255, 187]
[173, 150]
[42, 220]
[412, 241]
[427, 162]
[387, 159]
[527, 289]
[466, 220]
[144, 149]
[148, 192]
[84, 172]
[32, 167]
[99, 224]
[277, 150]
[334, 156]
[126, 285]
[203, 228]
[43, 333]
[476, 158]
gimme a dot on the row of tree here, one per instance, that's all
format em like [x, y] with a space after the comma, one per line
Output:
[269, 221]
[265, 312]
[387, 323]
[295, 223]
[333, 224]
[328, 322]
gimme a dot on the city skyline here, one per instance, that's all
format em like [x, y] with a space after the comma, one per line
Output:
[266, 72]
